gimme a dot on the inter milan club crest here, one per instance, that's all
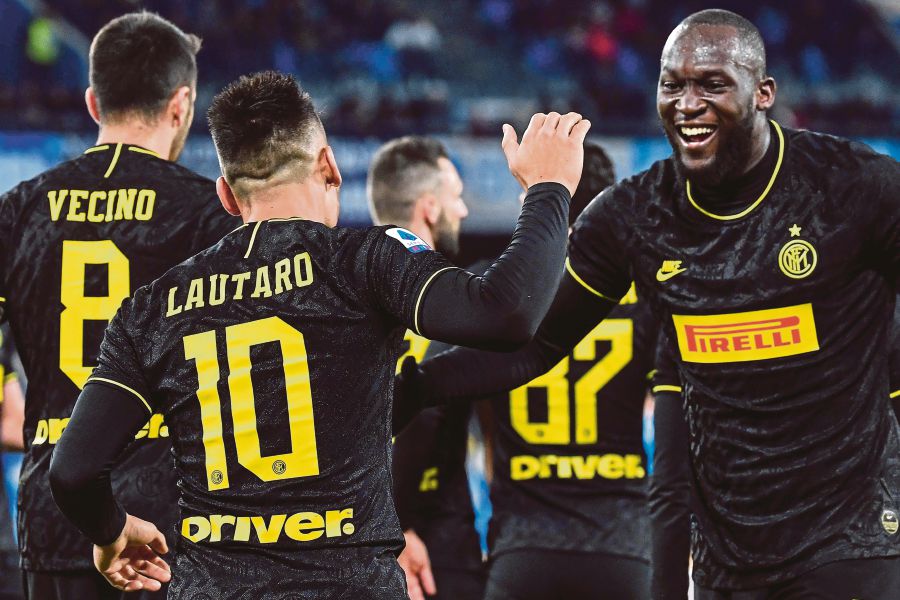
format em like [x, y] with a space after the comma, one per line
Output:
[797, 258]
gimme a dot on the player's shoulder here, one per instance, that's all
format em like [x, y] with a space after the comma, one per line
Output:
[56, 174]
[825, 153]
[642, 193]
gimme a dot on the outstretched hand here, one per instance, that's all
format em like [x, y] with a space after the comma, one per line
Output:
[132, 562]
[552, 149]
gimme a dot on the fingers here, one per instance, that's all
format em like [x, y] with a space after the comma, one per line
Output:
[535, 125]
[579, 131]
[428, 579]
[158, 543]
[551, 122]
[154, 570]
[413, 587]
[510, 142]
[567, 122]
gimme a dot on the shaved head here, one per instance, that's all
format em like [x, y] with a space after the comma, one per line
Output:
[702, 30]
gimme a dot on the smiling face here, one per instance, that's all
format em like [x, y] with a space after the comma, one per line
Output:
[712, 99]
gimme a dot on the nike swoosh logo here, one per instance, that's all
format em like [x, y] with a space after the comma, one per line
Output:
[660, 276]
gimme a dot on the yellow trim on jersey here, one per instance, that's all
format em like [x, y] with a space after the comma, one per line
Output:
[11, 376]
[666, 388]
[895, 394]
[762, 196]
[97, 149]
[143, 151]
[252, 238]
[422, 294]
[2, 299]
[585, 285]
[124, 387]
[282, 219]
[115, 159]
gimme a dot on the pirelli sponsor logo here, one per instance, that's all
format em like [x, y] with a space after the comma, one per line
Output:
[754, 335]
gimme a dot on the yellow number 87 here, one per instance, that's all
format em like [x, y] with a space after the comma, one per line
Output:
[303, 459]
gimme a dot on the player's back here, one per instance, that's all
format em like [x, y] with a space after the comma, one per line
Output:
[272, 356]
[569, 464]
[76, 241]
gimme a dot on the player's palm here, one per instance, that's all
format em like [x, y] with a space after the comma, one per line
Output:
[132, 562]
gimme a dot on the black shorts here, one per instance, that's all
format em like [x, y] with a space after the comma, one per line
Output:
[79, 585]
[863, 578]
[552, 575]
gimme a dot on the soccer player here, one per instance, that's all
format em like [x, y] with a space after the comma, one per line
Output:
[12, 413]
[569, 486]
[74, 242]
[771, 256]
[412, 183]
[272, 356]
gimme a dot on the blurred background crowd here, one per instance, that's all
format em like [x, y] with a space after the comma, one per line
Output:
[386, 67]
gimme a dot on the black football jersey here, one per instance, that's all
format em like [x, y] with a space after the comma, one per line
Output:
[569, 464]
[431, 486]
[272, 357]
[74, 242]
[780, 314]
[7, 373]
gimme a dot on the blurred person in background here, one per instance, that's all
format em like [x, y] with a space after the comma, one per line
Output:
[413, 184]
[569, 481]
[95, 228]
[12, 415]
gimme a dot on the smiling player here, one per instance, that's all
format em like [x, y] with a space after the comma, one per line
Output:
[771, 256]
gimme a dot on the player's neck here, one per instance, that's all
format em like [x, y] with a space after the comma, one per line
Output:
[419, 227]
[137, 134]
[284, 202]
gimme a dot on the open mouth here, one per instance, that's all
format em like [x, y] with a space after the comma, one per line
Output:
[695, 134]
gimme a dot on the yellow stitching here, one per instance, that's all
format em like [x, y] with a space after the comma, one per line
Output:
[666, 388]
[143, 151]
[762, 196]
[895, 394]
[421, 294]
[252, 239]
[115, 159]
[96, 149]
[584, 284]
[124, 387]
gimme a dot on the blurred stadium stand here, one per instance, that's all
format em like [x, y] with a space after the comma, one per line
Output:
[381, 68]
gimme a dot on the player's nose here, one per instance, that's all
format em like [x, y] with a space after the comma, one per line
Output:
[690, 102]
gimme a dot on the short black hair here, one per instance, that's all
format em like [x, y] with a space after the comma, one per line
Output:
[137, 61]
[262, 123]
[401, 171]
[748, 34]
[597, 175]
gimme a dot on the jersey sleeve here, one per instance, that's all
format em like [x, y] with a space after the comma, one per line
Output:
[895, 360]
[880, 189]
[119, 363]
[398, 266]
[597, 259]
[7, 219]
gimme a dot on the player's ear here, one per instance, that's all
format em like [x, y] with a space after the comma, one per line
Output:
[227, 198]
[179, 107]
[430, 207]
[328, 168]
[92, 107]
[765, 94]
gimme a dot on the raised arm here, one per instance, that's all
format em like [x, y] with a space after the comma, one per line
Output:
[503, 308]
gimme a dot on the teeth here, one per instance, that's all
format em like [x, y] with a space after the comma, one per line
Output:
[691, 131]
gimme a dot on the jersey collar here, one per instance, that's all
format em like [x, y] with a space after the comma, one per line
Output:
[762, 196]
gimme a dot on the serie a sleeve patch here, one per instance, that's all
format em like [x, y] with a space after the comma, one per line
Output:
[410, 241]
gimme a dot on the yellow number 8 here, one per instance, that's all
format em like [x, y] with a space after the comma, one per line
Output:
[76, 255]
[303, 460]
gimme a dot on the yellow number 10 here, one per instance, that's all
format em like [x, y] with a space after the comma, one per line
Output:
[303, 460]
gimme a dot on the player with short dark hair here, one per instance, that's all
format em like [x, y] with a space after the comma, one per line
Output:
[413, 183]
[74, 242]
[272, 356]
[771, 255]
